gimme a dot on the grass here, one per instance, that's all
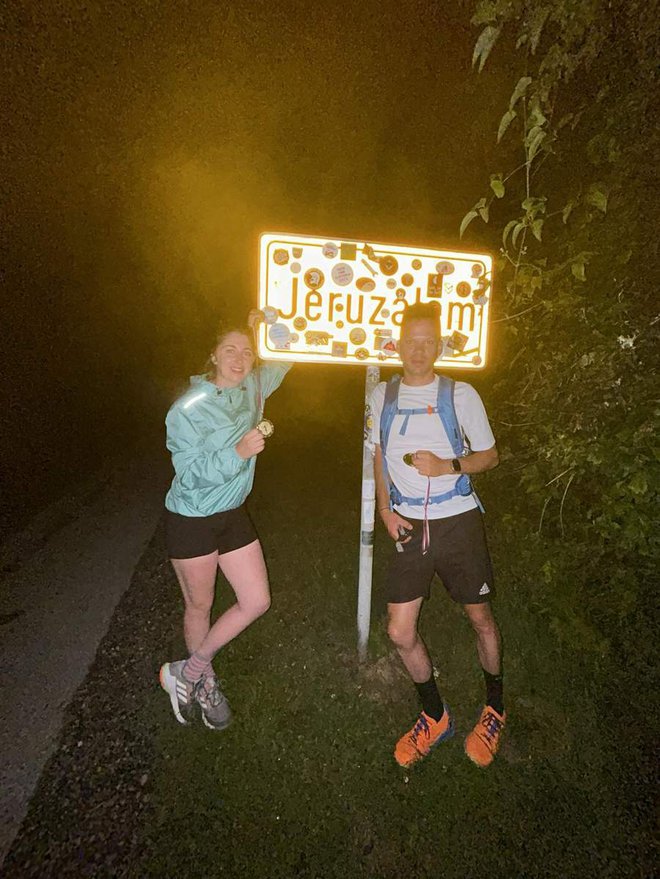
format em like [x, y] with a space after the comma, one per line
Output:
[303, 784]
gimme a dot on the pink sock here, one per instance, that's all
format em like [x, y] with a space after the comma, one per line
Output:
[196, 667]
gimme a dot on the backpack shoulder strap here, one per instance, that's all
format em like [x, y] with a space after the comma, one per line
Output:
[447, 413]
[389, 410]
[390, 407]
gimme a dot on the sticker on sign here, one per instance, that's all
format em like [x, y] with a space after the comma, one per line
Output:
[335, 300]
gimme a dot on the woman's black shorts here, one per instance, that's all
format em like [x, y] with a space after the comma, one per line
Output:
[191, 536]
[458, 554]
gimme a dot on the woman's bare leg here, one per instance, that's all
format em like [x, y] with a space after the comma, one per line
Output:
[245, 570]
[196, 577]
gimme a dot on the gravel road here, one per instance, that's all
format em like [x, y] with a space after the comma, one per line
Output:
[61, 582]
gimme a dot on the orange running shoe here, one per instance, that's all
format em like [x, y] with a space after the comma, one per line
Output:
[426, 734]
[482, 743]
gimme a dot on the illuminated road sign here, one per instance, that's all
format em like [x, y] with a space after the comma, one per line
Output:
[341, 301]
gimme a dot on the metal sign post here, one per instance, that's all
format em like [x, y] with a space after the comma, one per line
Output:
[367, 520]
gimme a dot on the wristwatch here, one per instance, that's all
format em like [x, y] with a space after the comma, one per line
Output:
[456, 465]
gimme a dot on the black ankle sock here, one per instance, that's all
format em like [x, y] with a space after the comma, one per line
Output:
[431, 701]
[494, 691]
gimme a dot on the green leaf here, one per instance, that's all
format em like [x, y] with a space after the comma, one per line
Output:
[638, 484]
[535, 138]
[565, 214]
[516, 233]
[613, 150]
[519, 90]
[497, 185]
[467, 219]
[577, 268]
[507, 230]
[536, 119]
[539, 18]
[483, 212]
[534, 206]
[485, 13]
[505, 121]
[597, 195]
[487, 39]
[537, 225]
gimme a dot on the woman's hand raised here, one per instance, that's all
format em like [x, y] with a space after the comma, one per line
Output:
[254, 317]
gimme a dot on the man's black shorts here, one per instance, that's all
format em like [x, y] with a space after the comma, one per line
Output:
[458, 554]
[191, 536]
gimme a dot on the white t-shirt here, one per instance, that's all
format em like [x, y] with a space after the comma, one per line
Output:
[426, 432]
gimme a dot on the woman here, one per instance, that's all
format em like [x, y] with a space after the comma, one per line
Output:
[212, 435]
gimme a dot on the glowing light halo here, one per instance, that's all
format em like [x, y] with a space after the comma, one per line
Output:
[340, 300]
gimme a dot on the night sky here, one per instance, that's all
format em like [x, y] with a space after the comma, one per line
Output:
[147, 146]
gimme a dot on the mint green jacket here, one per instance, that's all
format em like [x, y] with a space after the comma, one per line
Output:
[203, 427]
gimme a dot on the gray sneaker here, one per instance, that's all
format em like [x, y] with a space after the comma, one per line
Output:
[216, 712]
[180, 690]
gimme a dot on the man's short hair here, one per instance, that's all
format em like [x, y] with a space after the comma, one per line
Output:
[422, 311]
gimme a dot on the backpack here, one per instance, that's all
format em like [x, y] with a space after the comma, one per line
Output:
[447, 413]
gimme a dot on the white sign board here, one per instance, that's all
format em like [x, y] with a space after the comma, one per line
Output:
[341, 301]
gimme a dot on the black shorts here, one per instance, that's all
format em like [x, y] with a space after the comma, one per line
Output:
[191, 536]
[458, 554]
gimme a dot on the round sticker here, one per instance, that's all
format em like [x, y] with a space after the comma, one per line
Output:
[270, 314]
[279, 335]
[385, 312]
[299, 323]
[400, 294]
[476, 360]
[361, 353]
[357, 336]
[296, 252]
[416, 264]
[342, 274]
[314, 278]
[388, 265]
[444, 267]
[391, 283]
[463, 288]
[366, 285]
[407, 280]
[477, 270]
[281, 257]
[295, 267]
[339, 324]
[330, 250]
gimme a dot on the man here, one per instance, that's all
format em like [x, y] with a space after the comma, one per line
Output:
[438, 528]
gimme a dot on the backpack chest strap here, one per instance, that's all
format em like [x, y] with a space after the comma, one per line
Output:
[427, 410]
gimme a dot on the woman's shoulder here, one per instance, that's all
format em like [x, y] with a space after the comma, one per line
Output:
[200, 388]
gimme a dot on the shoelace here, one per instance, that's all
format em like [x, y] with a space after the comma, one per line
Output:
[209, 691]
[420, 726]
[491, 725]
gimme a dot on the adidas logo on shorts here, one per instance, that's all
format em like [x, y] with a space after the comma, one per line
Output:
[484, 589]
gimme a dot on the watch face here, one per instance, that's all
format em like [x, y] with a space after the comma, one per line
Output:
[456, 465]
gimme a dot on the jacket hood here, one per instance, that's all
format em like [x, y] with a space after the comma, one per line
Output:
[196, 380]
